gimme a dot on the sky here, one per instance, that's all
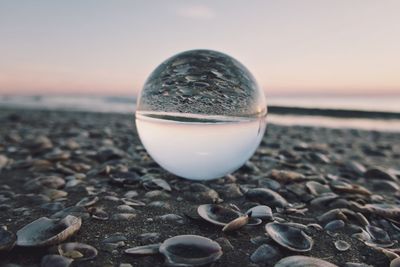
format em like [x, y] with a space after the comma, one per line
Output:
[107, 47]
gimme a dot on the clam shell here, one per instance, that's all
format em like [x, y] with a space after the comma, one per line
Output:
[217, 214]
[144, 250]
[236, 223]
[192, 250]
[303, 261]
[45, 231]
[266, 197]
[220, 215]
[289, 236]
[71, 250]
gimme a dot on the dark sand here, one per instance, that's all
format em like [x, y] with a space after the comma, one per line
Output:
[320, 154]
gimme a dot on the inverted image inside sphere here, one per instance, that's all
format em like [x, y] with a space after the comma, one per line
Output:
[202, 82]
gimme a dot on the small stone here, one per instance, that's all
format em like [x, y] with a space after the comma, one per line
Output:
[265, 254]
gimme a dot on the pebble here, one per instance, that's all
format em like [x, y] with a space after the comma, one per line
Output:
[265, 254]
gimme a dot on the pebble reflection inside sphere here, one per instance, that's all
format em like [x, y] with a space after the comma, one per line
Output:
[201, 115]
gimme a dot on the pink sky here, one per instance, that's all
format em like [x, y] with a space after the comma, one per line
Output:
[110, 47]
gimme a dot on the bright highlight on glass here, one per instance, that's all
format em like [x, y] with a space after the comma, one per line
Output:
[201, 115]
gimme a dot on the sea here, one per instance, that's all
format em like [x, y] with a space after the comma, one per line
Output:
[127, 105]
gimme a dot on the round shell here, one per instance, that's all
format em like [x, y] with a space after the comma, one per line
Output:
[190, 250]
[289, 236]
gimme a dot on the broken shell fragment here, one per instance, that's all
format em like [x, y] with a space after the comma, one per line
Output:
[45, 231]
[144, 250]
[77, 251]
[190, 250]
[289, 236]
[262, 212]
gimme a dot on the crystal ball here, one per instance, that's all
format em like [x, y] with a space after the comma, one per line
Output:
[201, 114]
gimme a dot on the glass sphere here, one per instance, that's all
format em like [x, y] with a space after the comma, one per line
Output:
[201, 114]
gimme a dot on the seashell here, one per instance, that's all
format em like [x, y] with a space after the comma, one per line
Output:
[87, 201]
[323, 200]
[303, 261]
[220, 215]
[144, 250]
[334, 225]
[45, 231]
[125, 208]
[236, 223]
[266, 196]
[343, 187]
[378, 236]
[262, 212]
[190, 250]
[379, 173]
[317, 189]
[289, 236]
[98, 213]
[7, 239]
[54, 194]
[41, 182]
[77, 251]
[395, 262]
[55, 261]
[149, 182]
[384, 210]
[286, 176]
[342, 245]
[133, 202]
[355, 167]
[332, 215]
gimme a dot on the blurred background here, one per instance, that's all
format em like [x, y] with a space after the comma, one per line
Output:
[96, 54]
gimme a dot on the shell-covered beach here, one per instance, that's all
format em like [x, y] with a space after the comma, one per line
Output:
[331, 194]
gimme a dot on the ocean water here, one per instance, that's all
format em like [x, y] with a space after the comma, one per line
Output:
[199, 147]
[127, 105]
